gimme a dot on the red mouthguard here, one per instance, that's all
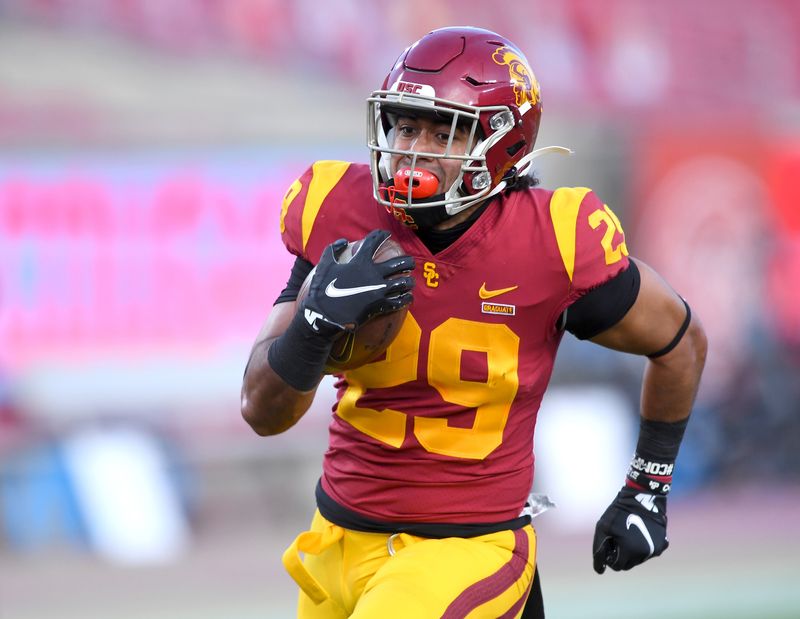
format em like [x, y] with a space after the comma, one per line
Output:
[423, 184]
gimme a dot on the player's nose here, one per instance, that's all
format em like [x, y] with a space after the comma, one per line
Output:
[423, 144]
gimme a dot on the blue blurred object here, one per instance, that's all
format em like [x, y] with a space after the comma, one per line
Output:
[37, 500]
[111, 490]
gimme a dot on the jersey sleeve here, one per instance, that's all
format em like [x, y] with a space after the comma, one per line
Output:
[301, 206]
[300, 271]
[589, 237]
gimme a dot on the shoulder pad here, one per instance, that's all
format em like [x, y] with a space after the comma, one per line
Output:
[589, 236]
[303, 200]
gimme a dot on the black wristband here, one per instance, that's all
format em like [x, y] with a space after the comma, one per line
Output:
[660, 440]
[299, 355]
[649, 475]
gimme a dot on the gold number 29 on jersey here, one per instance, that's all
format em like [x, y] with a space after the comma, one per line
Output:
[606, 216]
[491, 399]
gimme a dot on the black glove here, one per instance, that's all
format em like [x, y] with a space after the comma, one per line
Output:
[343, 296]
[632, 529]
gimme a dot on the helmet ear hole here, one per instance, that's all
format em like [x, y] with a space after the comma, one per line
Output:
[515, 148]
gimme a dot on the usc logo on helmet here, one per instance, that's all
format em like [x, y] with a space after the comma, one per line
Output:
[526, 88]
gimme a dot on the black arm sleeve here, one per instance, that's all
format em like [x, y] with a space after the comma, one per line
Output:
[300, 271]
[604, 306]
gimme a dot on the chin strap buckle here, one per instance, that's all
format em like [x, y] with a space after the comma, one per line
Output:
[396, 206]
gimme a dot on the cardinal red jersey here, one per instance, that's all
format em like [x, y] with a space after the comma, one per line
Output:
[441, 429]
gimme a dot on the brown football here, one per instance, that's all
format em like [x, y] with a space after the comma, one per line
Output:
[370, 341]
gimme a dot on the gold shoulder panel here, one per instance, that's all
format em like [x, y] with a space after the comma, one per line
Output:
[325, 176]
[564, 206]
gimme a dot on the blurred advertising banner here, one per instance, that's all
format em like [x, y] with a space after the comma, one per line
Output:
[717, 213]
[783, 269]
[137, 254]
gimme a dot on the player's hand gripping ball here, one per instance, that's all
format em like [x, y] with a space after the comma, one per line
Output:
[364, 297]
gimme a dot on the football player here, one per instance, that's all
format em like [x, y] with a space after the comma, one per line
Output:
[422, 499]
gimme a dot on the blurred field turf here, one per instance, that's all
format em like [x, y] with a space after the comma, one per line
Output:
[733, 555]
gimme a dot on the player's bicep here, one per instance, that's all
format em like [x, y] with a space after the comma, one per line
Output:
[651, 322]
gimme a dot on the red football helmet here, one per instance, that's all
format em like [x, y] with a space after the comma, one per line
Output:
[468, 77]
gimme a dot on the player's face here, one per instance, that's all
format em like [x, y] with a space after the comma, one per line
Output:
[422, 135]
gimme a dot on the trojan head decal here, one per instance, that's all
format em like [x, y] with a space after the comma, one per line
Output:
[526, 88]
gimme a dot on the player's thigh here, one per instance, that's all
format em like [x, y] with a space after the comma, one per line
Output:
[307, 609]
[325, 568]
[342, 569]
[486, 576]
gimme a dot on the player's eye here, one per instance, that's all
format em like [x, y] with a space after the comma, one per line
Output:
[406, 131]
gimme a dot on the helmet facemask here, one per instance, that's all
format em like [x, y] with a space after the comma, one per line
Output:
[473, 183]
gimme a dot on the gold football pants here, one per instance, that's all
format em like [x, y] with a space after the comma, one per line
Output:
[380, 576]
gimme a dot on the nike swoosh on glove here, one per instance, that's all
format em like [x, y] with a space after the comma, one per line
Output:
[632, 530]
[342, 296]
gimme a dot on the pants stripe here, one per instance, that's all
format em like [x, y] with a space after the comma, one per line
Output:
[492, 586]
[514, 610]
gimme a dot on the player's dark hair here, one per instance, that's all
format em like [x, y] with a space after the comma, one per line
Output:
[521, 183]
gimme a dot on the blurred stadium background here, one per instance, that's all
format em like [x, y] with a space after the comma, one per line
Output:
[144, 149]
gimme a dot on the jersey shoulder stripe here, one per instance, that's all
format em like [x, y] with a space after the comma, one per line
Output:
[313, 186]
[325, 176]
[564, 206]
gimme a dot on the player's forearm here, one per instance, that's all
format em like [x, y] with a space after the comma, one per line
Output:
[671, 381]
[269, 405]
[670, 385]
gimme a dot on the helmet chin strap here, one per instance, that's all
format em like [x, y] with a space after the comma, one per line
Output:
[545, 150]
[521, 167]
